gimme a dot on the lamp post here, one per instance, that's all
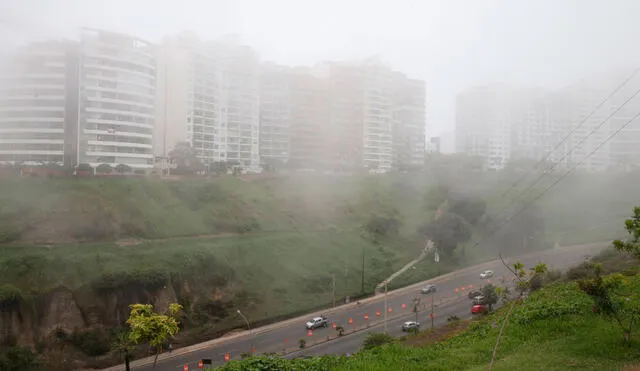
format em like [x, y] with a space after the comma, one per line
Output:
[362, 290]
[249, 326]
[386, 304]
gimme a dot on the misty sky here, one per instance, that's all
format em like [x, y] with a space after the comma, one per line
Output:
[452, 44]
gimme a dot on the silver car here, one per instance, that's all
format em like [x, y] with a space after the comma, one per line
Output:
[428, 289]
[410, 325]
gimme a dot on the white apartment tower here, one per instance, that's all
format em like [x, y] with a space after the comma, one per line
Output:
[117, 100]
[34, 89]
[74, 103]
[209, 98]
[409, 118]
[275, 112]
[483, 124]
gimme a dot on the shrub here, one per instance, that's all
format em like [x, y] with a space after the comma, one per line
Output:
[18, 359]
[376, 340]
[92, 342]
[10, 297]
[104, 169]
[580, 271]
[553, 276]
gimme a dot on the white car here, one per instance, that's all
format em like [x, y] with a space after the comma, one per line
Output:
[316, 322]
[486, 274]
[410, 325]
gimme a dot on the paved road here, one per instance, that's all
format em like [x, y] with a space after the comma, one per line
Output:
[277, 337]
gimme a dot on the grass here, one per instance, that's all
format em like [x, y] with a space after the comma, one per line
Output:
[554, 329]
[282, 271]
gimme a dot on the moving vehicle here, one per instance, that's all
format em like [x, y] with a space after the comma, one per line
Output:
[428, 289]
[479, 300]
[479, 309]
[410, 325]
[317, 322]
[486, 274]
[474, 293]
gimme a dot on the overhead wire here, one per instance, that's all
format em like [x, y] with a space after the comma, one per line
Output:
[563, 176]
[552, 166]
[571, 132]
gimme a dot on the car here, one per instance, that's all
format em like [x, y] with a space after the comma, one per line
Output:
[486, 274]
[479, 300]
[410, 325]
[428, 289]
[317, 322]
[474, 293]
[479, 309]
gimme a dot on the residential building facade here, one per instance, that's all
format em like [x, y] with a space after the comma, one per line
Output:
[87, 102]
[117, 100]
[38, 102]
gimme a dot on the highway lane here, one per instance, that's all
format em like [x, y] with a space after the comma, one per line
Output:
[287, 334]
[352, 343]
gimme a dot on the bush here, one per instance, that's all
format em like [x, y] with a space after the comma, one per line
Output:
[376, 340]
[580, 271]
[92, 342]
[18, 359]
[10, 297]
[553, 276]
[104, 169]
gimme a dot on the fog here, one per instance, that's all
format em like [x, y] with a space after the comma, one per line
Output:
[279, 156]
[452, 45]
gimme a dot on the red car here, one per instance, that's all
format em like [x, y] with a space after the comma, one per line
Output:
[479, 309]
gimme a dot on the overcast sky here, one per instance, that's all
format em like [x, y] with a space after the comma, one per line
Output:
[452, 44]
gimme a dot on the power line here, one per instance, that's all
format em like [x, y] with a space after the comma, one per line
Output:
[545, 157]
[558, 180]
[570, 151]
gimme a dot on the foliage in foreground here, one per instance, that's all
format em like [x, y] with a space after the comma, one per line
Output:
[554, 329]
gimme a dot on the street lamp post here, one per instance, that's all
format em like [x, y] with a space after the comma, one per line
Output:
[432, 295]
[248, 326]
[362, 290]
[386, 309]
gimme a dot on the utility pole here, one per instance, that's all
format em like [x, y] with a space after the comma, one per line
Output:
[333, 289]
[433, 294]
[385, 306]
[362, 290]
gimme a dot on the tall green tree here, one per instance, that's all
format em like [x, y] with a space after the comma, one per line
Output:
[447, 232]
[490, 294]
[149, 327]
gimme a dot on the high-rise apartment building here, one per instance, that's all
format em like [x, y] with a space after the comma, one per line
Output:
[311, 134]
[71, 103]
[377, 116]
[484, 120]
[210, 99]
[117, 100]
[189, 100]
[276, 94]
[565, 126]
[409, 118]
[38, 103]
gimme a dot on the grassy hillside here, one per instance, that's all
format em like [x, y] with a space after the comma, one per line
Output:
[69, 210]
[555, 329]
[65, 210]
